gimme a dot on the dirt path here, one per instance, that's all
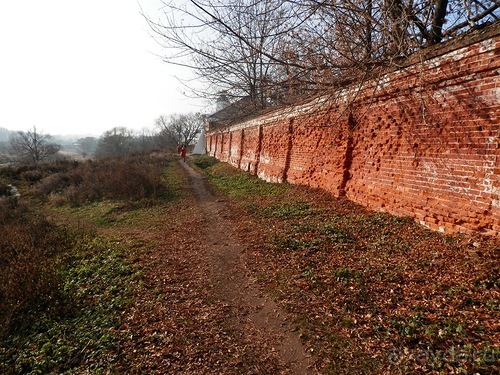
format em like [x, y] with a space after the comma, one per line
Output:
[202, 311]
[258, 314]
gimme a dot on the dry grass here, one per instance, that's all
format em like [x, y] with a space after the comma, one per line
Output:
[131, 178]
[29, 246]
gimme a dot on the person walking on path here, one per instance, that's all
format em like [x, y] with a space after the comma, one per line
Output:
[183, 152]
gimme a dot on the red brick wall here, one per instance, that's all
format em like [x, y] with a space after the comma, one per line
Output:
[319, 147]
[423, 141]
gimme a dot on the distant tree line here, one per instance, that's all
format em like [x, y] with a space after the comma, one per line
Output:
[279, 51]
[170, 131]
[34, 146]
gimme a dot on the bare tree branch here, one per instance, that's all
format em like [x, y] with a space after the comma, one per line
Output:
[278, 51]
[32, 146]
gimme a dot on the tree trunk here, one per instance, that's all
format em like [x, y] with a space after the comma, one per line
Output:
[438, 21]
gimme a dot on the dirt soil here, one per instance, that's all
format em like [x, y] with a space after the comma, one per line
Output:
[200, 309]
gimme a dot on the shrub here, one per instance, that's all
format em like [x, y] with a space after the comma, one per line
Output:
[4, 189]
[29, 245]
[126, 179]
[133, 178]
[53, 183]
[32, 176]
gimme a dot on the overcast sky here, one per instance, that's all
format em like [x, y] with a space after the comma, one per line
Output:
[83, 67]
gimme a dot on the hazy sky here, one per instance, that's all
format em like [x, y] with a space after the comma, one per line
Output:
[83, 67]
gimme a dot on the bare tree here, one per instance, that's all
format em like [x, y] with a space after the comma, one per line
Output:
[116, 142]
[180, 129]
[145, 141]
[32, 146]
[165, 138]
[274, 51]
[86, 146]
[230, 46]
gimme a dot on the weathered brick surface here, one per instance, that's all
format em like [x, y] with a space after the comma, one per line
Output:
[423, 141]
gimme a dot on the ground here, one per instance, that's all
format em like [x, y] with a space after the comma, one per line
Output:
[289, 280]
[202, 310]
[200, 268]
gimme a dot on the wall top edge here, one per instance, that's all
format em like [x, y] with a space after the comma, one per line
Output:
[429, 56]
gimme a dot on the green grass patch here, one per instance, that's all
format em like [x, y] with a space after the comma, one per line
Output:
[284, 210]
[81, 335]
[237, 183]
[175, 180]
[346, 274]
[203, 161]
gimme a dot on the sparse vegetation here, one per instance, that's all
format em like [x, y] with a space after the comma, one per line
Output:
[76, 329]
[111, 283]
[62, 285]
[30, 248]
[130, 178]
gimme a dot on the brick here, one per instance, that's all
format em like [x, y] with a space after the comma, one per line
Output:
[427, 152]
